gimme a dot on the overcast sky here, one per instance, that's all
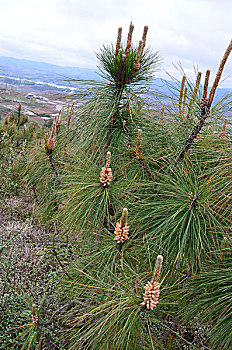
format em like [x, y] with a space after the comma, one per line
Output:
[68, 32]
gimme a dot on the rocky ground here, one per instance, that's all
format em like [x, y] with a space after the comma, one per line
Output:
[39, 106]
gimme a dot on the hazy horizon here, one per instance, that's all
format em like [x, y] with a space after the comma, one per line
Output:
[67, 33]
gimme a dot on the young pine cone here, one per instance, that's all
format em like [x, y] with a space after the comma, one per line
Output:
[204, 102]
[51, 140]
[35, 318]
[105, 176]
[51, 143]
[151, 295]
[137, 66]
[121, 233]
[106, 173]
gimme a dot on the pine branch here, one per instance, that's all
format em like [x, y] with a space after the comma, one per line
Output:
[196, 130]
[205, 104]
[52, 162]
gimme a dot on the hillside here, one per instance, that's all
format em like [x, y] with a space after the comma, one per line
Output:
[45, 72]
[41, 87]
[41, 75]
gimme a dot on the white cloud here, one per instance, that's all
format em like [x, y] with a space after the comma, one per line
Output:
[67, 32]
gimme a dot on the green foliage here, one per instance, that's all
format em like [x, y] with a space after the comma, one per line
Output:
[116, 71]
[108, 309]
[210, 301]
[167, 159]
[15, 137]
[179, 218]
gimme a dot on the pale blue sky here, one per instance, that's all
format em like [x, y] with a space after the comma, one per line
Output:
[68, 32]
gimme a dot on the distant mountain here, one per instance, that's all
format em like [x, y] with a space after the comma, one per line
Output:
[47, 72]
[54, 74]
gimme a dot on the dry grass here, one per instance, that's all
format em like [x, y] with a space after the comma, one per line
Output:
[27, 272]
